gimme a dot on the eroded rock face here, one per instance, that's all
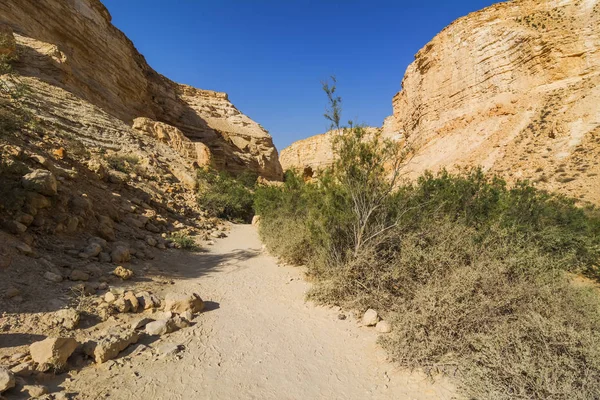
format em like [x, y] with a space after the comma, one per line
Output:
[513, 88]
[74, 46]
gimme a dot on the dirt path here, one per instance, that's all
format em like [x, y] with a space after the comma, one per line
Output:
[259, 340]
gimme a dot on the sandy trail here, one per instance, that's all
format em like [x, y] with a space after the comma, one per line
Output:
[258, 340]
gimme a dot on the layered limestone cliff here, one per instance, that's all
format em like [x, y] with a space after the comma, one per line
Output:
[513, 88]
[72, 46]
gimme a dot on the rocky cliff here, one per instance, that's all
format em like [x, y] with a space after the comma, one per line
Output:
[71, 45]
[513, 88]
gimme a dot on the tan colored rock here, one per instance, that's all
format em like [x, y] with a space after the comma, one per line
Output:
[383, 327]
[8, 45]
[370, 318]
[120, 254]
[52, 352]
[105, 70]
[40, 181]
[160, 327]
[123, 273]
[68, 318]
[180, 303]
[131, 298]
[7, 379]
[110, 344]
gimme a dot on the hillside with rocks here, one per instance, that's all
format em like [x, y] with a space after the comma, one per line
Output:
[513, 88]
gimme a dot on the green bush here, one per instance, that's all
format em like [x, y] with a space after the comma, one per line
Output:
[184, 241]
[225, 196]
[471, 272]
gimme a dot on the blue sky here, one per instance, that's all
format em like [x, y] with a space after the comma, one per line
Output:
[270, 55]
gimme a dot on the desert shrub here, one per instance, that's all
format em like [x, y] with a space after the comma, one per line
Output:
[225, 196]
[473, 273]
[184, 241]
[122, 162]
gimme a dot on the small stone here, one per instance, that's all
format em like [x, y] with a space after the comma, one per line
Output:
[145, 300]
[52, 352]
[24, 248]
[120, 254]
[141, 323]
[180, 322]
[133, 300]
[68, 317]
[92, 250]
[14, 227]
[23, 369]
[104, 257]
[160, 327]
[12, 292]
[180, 303]
[77, 275]
[256, 220]
[110, 297]
[7, 379]
[123, 273]
[152, 228]
[52, 277]
[40, 181]
[151, 241]
[188, 315]
[370, 317]
[122, 305]
[35, 390]
[342, 316]
[383, 327]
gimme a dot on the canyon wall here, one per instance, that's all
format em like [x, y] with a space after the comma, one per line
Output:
[513, 88]
[72, 45]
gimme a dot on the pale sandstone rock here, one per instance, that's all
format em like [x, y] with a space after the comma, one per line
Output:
[123, 273]
[35, 391]
[383, 327]
[52, 352]
[160, 327]
[110, 345]
[53, 277]
[370, 317]
[68, 317]
[40, 181]
[7, 379]
[180, 303]
[133, 300]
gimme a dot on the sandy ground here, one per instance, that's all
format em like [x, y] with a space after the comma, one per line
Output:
[258, 339]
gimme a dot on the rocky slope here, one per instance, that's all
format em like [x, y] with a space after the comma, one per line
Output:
[513, 88]
[72, 45]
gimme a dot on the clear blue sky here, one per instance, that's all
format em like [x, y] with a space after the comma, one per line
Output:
[270, 55]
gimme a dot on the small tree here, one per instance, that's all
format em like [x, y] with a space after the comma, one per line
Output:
[368, 167]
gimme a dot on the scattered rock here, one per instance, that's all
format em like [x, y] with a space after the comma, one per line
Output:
[111, 344]
[14, 227]
[123, 273]
[120, 254]
[256, 220]
[77, 275]
[92, 250]
[152, 228]
[35, 390]
[151, 241]
[180, 323]
[141, 323]
[133, 300]
[24, 249]
[188, 315]
[370, 317]
[122, 305]
[218, 235]
[110, 297]
[180, 303]
[52, 352]
[7, 379]
[12, 292]
[40, 181]
[145, 300]
[342, 316]
[52, 277]
[23, 369]
[160, 327]
[68, 317]
[104, 257]
[383, 327]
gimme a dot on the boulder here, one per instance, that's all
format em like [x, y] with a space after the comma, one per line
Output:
[180, 303]
[383, 327]
[110, 345]
[370, 317]
[256, 220]
[36, 201]
[133, 300]
[14, 227]
[146, 300]
[7, 379]
[52, 352]
[40, 181]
